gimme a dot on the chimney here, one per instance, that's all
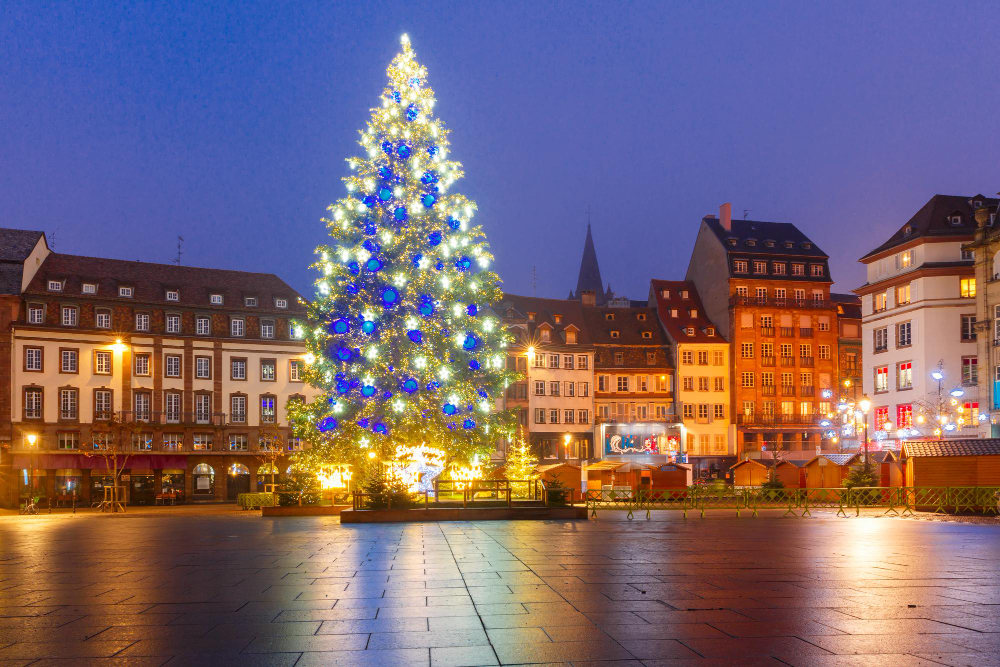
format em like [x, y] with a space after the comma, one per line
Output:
[588, 297]
[726, 216]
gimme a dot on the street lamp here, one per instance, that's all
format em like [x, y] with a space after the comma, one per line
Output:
[31, 468]
[865, 404]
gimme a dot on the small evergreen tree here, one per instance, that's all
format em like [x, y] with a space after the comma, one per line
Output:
[861, 475]
[520, 464]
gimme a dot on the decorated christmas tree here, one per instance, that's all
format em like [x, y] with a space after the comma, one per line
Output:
[520, 464]
[402, 342]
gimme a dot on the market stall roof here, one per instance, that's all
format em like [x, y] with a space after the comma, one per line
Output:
[605, 465]
[836, 459]
[552, 466]
[746, 462]
[798, 463]
[964, 447]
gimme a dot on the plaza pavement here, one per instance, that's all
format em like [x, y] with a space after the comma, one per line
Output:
[214, 586]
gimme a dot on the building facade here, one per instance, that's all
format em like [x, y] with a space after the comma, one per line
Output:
[633, 384]
[555, 398]
[767, 286]
[198, 361]
[702, 378]
[986, 257]
[919, 325]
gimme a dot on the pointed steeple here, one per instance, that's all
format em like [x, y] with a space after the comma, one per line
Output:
[590, 272]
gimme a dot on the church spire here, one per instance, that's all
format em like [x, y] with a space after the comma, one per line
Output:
[590, 272]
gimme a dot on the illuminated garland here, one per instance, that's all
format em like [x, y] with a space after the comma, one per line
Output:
[402, 342]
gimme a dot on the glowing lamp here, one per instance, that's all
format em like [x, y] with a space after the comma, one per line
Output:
[937, 375]
[865, 404]
[32, 438]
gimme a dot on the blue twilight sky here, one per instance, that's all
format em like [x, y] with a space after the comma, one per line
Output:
[126, 125]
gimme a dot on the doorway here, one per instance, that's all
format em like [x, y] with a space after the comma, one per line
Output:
[237, 481]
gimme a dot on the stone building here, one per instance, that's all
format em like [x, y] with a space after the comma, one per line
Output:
[985, 249]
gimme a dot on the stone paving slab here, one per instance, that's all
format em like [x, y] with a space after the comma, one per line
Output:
[212, 587]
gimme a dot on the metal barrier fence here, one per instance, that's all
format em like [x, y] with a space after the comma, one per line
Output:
[895, 500]
[251, 500]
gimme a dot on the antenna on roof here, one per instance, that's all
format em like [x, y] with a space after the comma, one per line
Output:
[534, 281]
[745, 212]
[180, 240]
[52, 240]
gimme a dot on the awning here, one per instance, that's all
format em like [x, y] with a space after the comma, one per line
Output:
[99, 463]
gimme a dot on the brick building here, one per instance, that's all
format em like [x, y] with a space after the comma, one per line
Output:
[200, 360]
[767, 287]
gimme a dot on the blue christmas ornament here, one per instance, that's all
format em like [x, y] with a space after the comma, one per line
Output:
[429, 177]
[387, 147]
[370, 201]
[428, 200]
[412, 112]
[454, 222]
[415, 335]
[403, 151]
[385, 173]
[449, 409]
[434, 238]
[432, 386]
[385, 194]
[343, 386]
[470, 341]
[463, 263]
[397, 97]
[344, 353]
[389, 297]
[410, 385]
[426, 306]
[341, 326]
[432, 150]
[368, 326]
[439, 266]
[399, 213]
[368, 390]
[355, 383]
[374, 264]
[371, 246]
[370, 227]
[387, 395]
[351, 288]
[472, 310]
[354, 268]
[416, 259]
[326, 424]
[379, 427]
[363, 423]
[483, 394]
[474, 365]
[469, 423]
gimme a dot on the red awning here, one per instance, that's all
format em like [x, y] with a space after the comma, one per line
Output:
[82, 462]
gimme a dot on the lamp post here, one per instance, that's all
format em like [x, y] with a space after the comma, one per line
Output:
[865, 404]
[31, 468]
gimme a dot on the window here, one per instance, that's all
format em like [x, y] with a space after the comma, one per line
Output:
[703, 411]
[746, 379]
[539, 360]
[554, 388]
[973, 411]
[748, 408]
[798, 269]
[623, 383]
[816, 270]
[881, 417]
[823, 323]
[281, 303]
[267, 328]
[102, 319]
[581, 362]
[970, 370]
[718, 357]
[786, 350]
[102, 362]
[554, 416]
[719, 411]
[236, 327]
[70, 316]
[688, 411]
[880, 301]
[904, 379]
[295, 370]
[719, 383]
[172, 366]
[619, 358]
[778, 268]
[250, 302]
[968, 327]
[759, 267]
[67, 440]
[702, 384]
[903, 336]
[799, 295]
[68, 402]
[173, 323]
[539, 415]
[202, 442]
[779, 295]
[172, 406]
[687, 357]
[569, 416]
[687, 383]
[817, 296]
[203, 368]
[568, 362]
[238, 404]
[703, 357]
[142, 364]
[881, 379]
[805, 351]
[295, 331]
[294, 444]
[614, 333]
[570, 389]
[69, 361]
[903, 295]
[539, 387]
[967, 287]
[142, 321]
[824, 351]
[904, 259]
[55, 286]
[746, 350]
[237, 442]
[583, 390]
[173, 295]
[881, 339]
[32, 358]
[267, 370]
[740, 265]
[36, 314]
[89, 288]
[741, 290]
[583, 416]
[202, 408]
[102, 404]
[215, 299]
[125, 292]
[202, 326]
[968, 254]
[553, 361]
[172, 442]
[761, 293]
[33, 403]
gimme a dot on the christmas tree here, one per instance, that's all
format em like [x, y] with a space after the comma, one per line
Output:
[520, 464]
[402, 342]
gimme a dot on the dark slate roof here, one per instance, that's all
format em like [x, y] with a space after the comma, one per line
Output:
[760, 232]
[837, 459]
[798, 463]
[675, 326]
[590, 273]
[631, 324]
[933, 220]
[16, 244]
[849, 305]
[514, 310]
[983, 447]
[150, 283]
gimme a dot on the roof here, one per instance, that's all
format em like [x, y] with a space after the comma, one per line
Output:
[884, 455]
[552, 466]
[798, 463]
[150, 283]
[590, 273]
[836, 459]
[747, 461]
[17, 244]
[970, 447]
[631, 332]
[848, 305]
[605, 465]
[759, 232]
[933, 219]
[667, 296]
[517, 310]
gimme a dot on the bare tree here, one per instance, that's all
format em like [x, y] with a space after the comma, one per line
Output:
[113, 443]
[778, 449]
[270, 448]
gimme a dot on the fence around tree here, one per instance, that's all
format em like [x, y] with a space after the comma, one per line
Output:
[798, 502]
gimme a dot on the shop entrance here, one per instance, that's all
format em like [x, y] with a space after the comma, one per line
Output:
[203, 481]
[142, 488]
[237, 481]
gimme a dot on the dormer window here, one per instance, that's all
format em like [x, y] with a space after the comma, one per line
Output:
[89, 288]
[693, 312]
[769, 244]
[689, 331]
[531, 316]
[609, 316]
[751, 242]
[215, 299]
[789, 244]
[907, 230]
[125, 292]
[806, 246]
[684, 294]
[955, 220]
[673, 312]
[570, 337]
[665, 293]
[614, 333]
[710, 331]
[759, 267]
[740, 265]
[731, 242]
[558, 318]
[641, 317]
[173, 295]
[546, 335]
[281, 303]
[55, 286]
[977, 203]
[647, 334]
[250, 302]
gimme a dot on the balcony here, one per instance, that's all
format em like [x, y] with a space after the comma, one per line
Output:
[806, 390]
[767, 331]
[738, 300]
[787, 390]
[171, 418]
[786, 332]
[767, 361]
[777, 420]
[788, 362]
[767, 390]
[805, 332]
[807, 362]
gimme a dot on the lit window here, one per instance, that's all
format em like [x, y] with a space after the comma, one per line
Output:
[881, 379]
[968, 287]
[173, 295]
[905, 379]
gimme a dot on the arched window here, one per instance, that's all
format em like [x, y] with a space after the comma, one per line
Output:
[203, 469]
[996, 266]
[238, 469]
